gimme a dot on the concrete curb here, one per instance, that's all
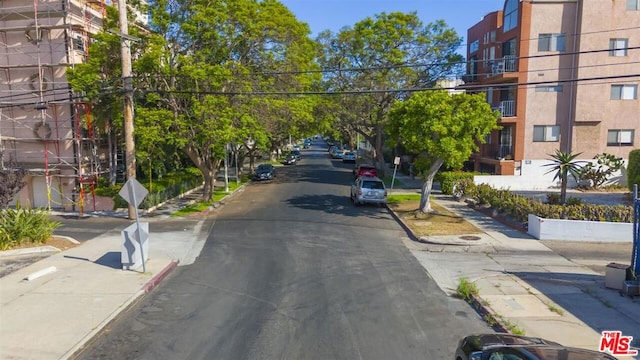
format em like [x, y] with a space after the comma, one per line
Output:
[28, 251]
[488, 315]
[151, 284]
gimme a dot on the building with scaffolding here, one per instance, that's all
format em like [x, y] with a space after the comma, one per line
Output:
[44, 126]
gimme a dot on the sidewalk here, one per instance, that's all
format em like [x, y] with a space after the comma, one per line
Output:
[525, 285]
[53, 307]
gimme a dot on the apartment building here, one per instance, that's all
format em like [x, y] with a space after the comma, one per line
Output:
[563, 73]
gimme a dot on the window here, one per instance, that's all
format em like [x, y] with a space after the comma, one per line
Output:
[552, 88]
[546, 133]
[633, 4]
[492, 36]
[473, 47]
[624, 92]
[78, 43]
[510, 17]
[618, 47]
[620, 137]
[551, 42]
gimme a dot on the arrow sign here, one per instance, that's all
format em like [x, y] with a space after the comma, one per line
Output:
[133, 192]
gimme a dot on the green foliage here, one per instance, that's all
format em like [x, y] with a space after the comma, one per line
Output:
[606, 165]
[519, 207]
[168, 187]
[398, 198]
[633, 169]
[562, 165]
[553, 198]
[466, 289]
[450, 179]
[21, 225]
[442, 125]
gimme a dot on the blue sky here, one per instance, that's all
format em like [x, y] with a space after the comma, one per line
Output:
[335, 14]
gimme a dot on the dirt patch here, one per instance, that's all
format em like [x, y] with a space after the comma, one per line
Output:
[58, 242]
[439, 222]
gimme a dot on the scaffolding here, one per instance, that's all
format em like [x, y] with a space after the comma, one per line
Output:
[44, 126]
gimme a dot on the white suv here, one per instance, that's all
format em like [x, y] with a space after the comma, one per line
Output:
[366, 189]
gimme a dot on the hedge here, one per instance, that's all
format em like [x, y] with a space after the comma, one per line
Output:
[163, 189]
[448, 179]
[633, 168]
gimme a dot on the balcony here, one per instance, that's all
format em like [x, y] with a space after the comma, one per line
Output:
[501, 69]
[507, 108]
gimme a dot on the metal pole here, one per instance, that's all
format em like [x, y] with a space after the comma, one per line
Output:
[236, 148]
[130, 150]
[393, 179]
[635, 266]
[226, 168]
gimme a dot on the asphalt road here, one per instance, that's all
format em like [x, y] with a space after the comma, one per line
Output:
[292, 270]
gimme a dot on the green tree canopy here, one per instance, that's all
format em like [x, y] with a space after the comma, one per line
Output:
[380, 57]
[445, 127]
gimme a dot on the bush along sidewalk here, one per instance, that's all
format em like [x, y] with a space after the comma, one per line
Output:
[518, 207]
[22, 225]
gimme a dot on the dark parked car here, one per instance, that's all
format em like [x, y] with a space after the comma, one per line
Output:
[514, 347]
[265, 172]
[297, 154]
[290, 159]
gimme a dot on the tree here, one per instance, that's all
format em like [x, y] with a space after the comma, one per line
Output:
[378, 58]
[195, 72]
[442, 127]
[605, 166]
[11, 182]
[564, 164]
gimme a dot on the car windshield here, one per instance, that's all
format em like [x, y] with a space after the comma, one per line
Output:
[378, 185]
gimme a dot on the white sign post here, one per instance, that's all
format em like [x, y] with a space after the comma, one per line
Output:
[133, 193]
[396, 162]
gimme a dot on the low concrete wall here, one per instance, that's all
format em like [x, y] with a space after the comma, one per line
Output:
[576, 230]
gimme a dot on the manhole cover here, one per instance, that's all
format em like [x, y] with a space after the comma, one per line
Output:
[470, 237]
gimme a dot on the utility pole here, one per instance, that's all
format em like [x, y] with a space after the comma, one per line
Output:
[130, 147]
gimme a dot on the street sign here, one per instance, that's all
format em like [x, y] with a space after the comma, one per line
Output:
[396, 160]
[133, 192]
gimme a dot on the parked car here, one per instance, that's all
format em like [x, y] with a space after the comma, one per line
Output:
[290, 159]
[296, 148]
[307, 144]
[369, 190]
[264, 172]
[297, 154]
[349, 157]
[365, 170]
[514, 347]
[336, 153]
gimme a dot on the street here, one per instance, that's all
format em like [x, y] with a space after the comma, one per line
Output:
[292, 270]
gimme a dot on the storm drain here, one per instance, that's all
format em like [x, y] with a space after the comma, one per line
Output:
[470, 237]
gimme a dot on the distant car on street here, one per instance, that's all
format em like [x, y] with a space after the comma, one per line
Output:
[514, 347]
[296, 148]
[297, 154]
[264, 172]
[349, 157]
[290, 159]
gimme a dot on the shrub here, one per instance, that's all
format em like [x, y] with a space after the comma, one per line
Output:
[519, 207]
[21, 225]
[606, 165]
[163, 189]
[448, 179]
[633, 168]
[553, 198]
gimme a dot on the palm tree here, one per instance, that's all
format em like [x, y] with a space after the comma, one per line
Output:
[563, 163]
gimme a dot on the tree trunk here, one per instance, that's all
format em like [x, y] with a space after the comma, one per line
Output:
[425, 204]
[379, 155]
[209, 182]
[563, 190]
